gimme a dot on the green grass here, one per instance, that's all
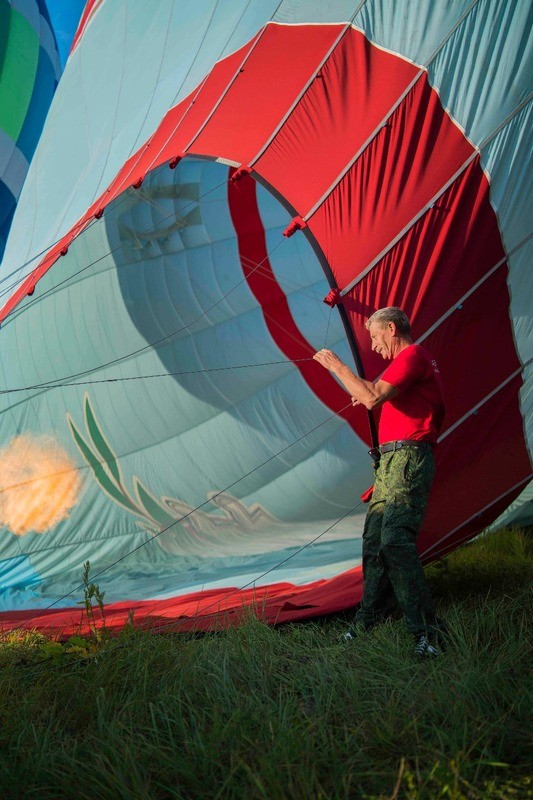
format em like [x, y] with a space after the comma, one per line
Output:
[287, 712]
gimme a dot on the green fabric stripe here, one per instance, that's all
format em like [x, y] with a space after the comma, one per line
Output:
[18, 74]
[4, 30]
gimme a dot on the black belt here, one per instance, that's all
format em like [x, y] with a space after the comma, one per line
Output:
[390, 447]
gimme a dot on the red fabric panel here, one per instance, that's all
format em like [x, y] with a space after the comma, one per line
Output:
[181, 123]
[241, 125]
[474, 348]
[277, 70]
[441, 258]
[468, 530]
[454, 245]
[396, 176]
[482, 459]
[357, 87]
[278, 318]
[209, 610]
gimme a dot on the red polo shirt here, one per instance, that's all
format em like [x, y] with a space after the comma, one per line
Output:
[418, 411]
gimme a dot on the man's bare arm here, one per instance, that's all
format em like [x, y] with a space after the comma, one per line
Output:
[371, 395]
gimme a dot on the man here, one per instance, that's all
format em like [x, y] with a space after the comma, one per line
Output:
[409, 393]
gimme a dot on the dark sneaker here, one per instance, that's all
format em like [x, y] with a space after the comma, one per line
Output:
[424, 648]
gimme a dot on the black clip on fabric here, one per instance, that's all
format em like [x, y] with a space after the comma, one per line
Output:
[375, 454]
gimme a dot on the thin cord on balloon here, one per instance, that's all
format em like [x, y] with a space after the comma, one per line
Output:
[285, 283]
[3, 489]
[204, 80]
[158, 628]
[510, 253]
[49, 246]
[125, 195]
[436, 51]
[193, 511]
[219, 600]
[66, 381]
[53, 289]
[154, 375]
[149, 345]
[45, 250]
[114, 112]
[180, 87]
[327, 328]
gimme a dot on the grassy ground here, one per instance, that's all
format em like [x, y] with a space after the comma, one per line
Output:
[289, 712]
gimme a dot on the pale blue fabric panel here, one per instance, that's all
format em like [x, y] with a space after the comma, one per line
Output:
[160, 52]
[299, 12]
[412, 28]
[175, 272]
[507, 160]
[484, 71]
[49, 45]
[13, 164]
[304, 286]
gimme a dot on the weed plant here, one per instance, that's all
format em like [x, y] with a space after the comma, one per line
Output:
[289, 712]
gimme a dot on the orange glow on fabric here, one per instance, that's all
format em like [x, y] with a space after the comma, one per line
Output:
[39, 484]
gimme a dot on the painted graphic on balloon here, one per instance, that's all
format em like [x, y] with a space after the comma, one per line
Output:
[159, 515]
[40, 484]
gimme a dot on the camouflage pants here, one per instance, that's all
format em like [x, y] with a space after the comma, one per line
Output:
[391, 567]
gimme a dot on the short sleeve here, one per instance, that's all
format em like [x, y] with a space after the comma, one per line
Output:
[408, 368]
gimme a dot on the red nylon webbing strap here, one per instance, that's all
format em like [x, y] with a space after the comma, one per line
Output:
[91, 6]
[270, 296]
[208, 610]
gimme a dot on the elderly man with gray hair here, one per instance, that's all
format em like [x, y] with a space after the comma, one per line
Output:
[409, 393]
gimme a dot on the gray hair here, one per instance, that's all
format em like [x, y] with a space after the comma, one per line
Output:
[391, 314]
